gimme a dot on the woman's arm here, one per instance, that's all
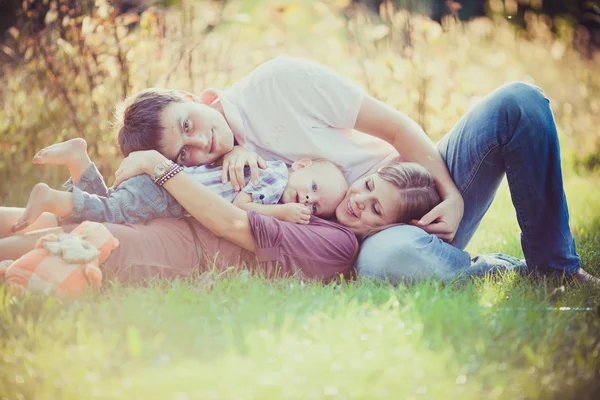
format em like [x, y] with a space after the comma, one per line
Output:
[409, 139]
[217, 214]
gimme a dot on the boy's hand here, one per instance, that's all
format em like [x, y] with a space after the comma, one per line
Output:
[234, 163]
[294, 212]
[137, 163]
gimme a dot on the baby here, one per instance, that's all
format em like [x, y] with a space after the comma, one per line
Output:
[309, 187]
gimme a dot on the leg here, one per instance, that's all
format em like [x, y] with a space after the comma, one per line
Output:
[72, 153]
[512, 131]
[9, 216]
[43, 199]
[14, 247]
[406, 253]
[161, 248]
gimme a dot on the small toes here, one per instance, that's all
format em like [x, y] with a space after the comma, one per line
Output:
[39, 156]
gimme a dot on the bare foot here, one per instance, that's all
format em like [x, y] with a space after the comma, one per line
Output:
[72, 153]
[37, 204]
[65, 153]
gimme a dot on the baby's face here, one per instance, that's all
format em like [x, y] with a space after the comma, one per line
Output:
[319, 185]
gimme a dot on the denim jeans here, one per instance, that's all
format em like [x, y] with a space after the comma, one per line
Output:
[510, 132]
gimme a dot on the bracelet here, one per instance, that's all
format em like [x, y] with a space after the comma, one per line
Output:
[174, 170]
[161, 169]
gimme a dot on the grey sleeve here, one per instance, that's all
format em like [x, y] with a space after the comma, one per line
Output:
[137, 199]
[91, 182]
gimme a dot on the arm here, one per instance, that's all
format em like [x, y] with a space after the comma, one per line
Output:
[293, 212]
[214, 212]
[335, 101]
[407, 137]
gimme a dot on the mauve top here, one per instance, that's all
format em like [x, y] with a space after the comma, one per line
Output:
[321, 250]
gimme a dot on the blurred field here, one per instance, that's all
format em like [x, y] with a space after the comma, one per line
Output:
[237, 336]
[69, 86]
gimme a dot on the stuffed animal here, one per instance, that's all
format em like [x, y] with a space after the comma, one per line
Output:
[62, 264]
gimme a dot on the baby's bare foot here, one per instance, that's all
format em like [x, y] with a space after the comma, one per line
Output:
[37, 204]
[65, 153]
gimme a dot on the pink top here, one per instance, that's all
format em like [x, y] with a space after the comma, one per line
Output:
[321, 250]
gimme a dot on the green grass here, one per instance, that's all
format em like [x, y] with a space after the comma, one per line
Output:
[238, 336]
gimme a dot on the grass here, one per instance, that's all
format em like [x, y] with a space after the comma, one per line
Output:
[238, 336]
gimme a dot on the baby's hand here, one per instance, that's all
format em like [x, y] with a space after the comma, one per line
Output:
[294, 212]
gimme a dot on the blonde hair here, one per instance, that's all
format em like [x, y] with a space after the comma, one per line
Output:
[418, 194]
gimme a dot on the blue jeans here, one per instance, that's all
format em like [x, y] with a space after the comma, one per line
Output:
[512, 132]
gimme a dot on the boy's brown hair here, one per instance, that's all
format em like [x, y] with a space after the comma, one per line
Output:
[138, 120]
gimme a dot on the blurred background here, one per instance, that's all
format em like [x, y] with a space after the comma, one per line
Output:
[65, 64]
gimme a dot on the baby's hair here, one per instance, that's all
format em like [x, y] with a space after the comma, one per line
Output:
[138, 120]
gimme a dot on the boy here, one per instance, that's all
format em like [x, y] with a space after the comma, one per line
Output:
[308, 187]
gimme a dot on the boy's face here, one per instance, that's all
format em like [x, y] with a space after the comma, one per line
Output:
[195, 134]
[319, 185]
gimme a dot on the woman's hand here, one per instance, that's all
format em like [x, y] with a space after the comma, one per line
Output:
[443, 220]
[234, 163]
[138, 163]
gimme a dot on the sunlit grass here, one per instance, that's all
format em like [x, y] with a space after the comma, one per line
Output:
[239, 336]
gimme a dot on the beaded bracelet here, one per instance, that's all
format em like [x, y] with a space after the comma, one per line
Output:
[174, 170]
[169, 166]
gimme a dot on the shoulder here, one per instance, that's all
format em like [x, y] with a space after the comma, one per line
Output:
[322, 249]
[288, 69]
[275, 172]
[278, 168]
[318, 233]
[271, 183]
[280, 64]
[327, 236]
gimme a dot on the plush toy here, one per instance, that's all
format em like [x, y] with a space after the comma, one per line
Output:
[63, 264]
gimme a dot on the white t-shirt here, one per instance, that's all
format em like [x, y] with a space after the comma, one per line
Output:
[291, 108]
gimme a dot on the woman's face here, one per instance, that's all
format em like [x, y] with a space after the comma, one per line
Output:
[370, 202]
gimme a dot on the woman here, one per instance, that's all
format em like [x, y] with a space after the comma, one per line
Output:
[512, 131]
[228, 235]
[289, 108]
